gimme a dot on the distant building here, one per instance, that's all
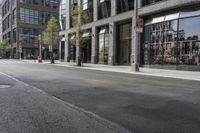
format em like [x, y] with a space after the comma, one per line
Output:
[170, 38]
[22, 23]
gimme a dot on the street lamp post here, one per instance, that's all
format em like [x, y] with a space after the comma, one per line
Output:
[40, 45]
[20, 50]
[135, 45]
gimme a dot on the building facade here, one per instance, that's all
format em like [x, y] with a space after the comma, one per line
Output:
[22, 23]
[170, 37]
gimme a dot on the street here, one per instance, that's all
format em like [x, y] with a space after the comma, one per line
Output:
[38, 98]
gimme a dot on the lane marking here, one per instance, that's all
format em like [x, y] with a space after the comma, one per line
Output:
[107, 123]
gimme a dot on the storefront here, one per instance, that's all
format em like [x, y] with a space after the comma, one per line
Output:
[103, 46]
[72, 48]
[173, 41]
[29, 53]
[86, 47]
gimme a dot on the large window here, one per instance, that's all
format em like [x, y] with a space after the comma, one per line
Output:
[124, 43]
[5, 7]
[163, 42]
[124, 5]
[63, 15]
[87, 6]
[148, 2]
[14, 16]
[29, 16]
[189, 41]
[50, 3]
[104, 8]
[29, 36]
[103, 48]
[46, 16]
[73, 6]
[33, 2]
[174, 41]
[6, 23]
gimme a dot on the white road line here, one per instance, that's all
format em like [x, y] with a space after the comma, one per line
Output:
[109, 124]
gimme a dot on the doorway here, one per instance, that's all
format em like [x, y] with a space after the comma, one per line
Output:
[124, 43]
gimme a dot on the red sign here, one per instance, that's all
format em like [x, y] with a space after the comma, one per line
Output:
[140, 23]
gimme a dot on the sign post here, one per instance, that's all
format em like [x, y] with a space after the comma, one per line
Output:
[134, 53]
[40, 45]
[20, 51]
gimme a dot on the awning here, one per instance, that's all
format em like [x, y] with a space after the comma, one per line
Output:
[63, 39]
[158, 20]
[189, 14]
[102, 31]
[172, 16]
[72, 37]
[86, 34]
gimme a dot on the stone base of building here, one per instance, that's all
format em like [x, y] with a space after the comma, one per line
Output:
[175, 67]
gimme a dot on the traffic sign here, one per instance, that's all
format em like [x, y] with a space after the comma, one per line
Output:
[20, 48]
[139, 25]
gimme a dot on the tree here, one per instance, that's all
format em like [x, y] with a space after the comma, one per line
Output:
[78, 20]
[51, 36]
[4, 49]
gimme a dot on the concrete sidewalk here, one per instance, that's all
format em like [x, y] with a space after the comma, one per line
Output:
[189, 75]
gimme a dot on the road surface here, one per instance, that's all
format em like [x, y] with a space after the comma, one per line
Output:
[39, 98]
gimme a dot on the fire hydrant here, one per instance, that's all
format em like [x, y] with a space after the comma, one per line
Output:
[39, 59]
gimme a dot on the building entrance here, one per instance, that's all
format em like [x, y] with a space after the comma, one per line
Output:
[124, 45]
[103, 46]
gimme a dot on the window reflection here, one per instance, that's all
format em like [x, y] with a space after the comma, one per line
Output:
[87, 6]
[104, 8]
[189, 37]
[103, 46]
[165, 44]
[124, 5]
[63, 15]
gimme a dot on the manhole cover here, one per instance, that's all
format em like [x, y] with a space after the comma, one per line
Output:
[4, 86]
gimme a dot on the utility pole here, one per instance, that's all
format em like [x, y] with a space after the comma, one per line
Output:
[40, 45]
[20, 51]
[135, 45]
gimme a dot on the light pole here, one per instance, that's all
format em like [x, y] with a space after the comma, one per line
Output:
[20, 50]
[135, 45]
[40, 45]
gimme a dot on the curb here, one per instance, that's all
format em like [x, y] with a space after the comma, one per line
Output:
[132, 73]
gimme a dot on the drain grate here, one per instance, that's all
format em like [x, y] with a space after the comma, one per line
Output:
[4, 86]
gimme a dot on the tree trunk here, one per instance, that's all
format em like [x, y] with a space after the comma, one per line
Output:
[79, 59]
[52, 58]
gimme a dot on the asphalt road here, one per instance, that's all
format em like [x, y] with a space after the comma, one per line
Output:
[53, 99]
